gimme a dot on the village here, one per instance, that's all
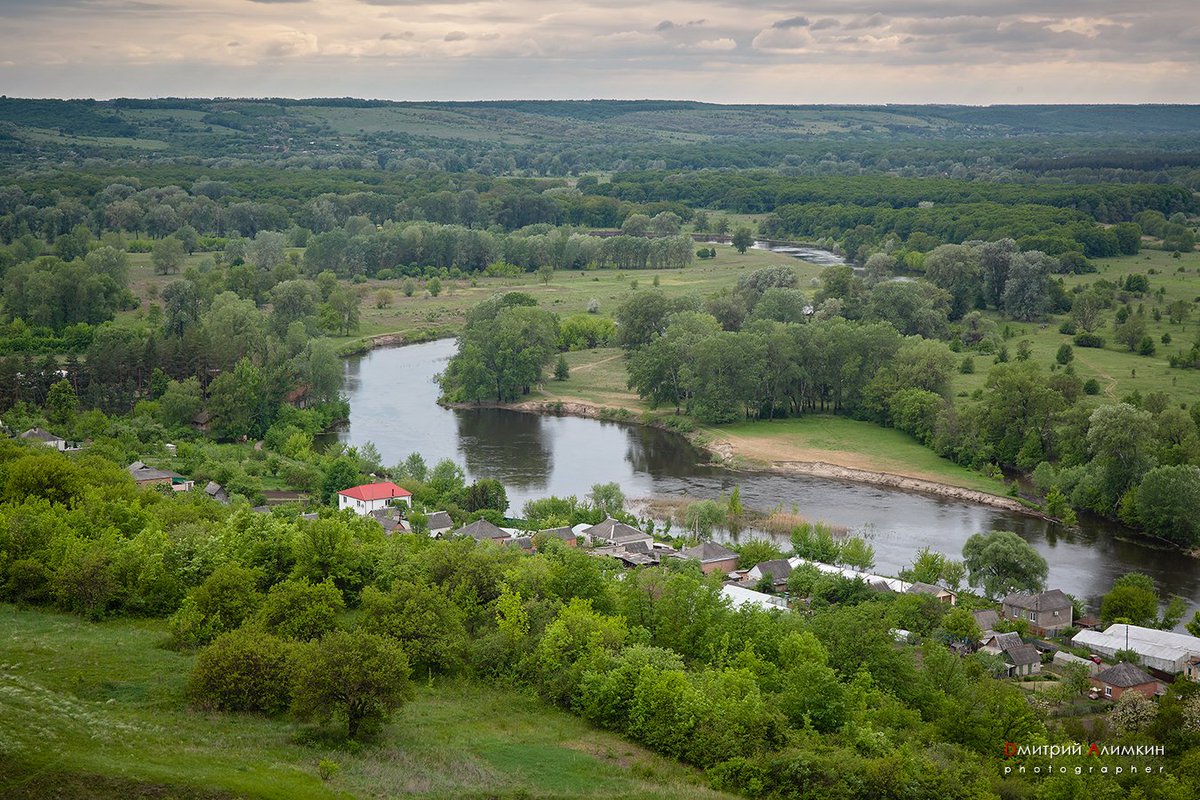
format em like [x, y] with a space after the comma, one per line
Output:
[1032, 637]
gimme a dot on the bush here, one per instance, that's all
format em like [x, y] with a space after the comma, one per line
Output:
[1091, 386]
[1146, 346]
[301, 610]
[227, 597]
[1089, 340]
[244, 670]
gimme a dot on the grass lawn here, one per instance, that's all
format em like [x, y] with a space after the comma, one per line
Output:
[97, 710]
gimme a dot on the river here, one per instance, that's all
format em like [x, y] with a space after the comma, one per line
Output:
[393, 404]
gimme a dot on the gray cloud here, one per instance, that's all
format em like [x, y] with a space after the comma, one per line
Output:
[945, 50]
[792, 22]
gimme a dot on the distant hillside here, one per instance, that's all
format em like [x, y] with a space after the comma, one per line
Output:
[562, 137]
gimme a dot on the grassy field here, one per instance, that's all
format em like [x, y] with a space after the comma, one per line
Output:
[97, 710]
[1119, 371]
[568, 292]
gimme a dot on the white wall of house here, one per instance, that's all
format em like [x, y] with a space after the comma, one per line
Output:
[364, 507]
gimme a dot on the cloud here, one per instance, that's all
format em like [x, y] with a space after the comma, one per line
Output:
[792, 22]
[716, 44]
[951, 49]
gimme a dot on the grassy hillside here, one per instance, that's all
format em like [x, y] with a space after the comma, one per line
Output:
[99, 711]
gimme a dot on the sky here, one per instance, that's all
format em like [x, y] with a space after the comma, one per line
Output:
[728, 51]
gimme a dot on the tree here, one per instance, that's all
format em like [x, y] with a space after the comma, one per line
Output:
[562, 370]
[607, 498]
[546, 273]
[227, 598]
[501, 357]
[1087, 308]
[180, 403]
[1027, 290]
[955, 268]
[856, 553]
[61, 402]
[352, 675]
[1001, 562]
[742, 239]
[485, 493]
[301, 610]
[342, 474]
[1132, 599]
[434, 286]
[167, 255]
[237, 401]
[291, 301]
[1132, 712]
[341, 311]
[702, 516]
[244, 670]
[1120, 438]
[1168, 503]
[1193, 627]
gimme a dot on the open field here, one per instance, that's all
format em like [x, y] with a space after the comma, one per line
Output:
[1119, 371]
[567, 293]
[97, 710]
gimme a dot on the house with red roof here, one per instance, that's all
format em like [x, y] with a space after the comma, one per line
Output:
[362, 500]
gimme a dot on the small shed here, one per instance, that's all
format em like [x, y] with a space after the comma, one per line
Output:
[1063, 659]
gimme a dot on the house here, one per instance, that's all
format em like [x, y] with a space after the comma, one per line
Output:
[389, 520]
[217, 492]
[482, 531]
[202, 421]
[777, 570]
[740, 596]
[45, 437]
[362, 500]
[614, 532]
[713, 557]
[564, 534]
[943, 595]
[1166, 651]
[1020, 658]
[149, 476]
[1063, 659]
[1191, 670]
[1048, 613]
[1124, 677]
[987, 620]
[439, 522]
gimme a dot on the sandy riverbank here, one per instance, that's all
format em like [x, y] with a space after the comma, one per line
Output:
[731, 455]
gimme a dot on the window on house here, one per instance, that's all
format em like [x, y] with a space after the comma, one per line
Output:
[1033, 616]
[1108, 691]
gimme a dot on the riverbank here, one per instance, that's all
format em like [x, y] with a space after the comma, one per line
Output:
[741, 452]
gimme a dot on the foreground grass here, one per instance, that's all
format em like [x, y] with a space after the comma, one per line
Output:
[98, 711]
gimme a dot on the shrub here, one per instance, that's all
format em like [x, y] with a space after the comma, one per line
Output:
[1089, 340]
[301, 610]
[244, 670]
[1091, 386]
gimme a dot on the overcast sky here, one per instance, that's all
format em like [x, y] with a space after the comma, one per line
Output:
[761, 51]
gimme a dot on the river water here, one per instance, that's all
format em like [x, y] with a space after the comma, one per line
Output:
[393, 398]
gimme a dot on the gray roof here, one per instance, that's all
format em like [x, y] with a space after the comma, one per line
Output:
[141, 472]
[987, 619]
[639, 546]
[707, 552]
[615, 532]
[1006, 641]
[1022, 655]
[212, 489]
[565, 533]
[1124, 675]
[777, 568]
[440, 520]
[1052, 600]
[41, 435]
[926, 588]
[481, 530]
